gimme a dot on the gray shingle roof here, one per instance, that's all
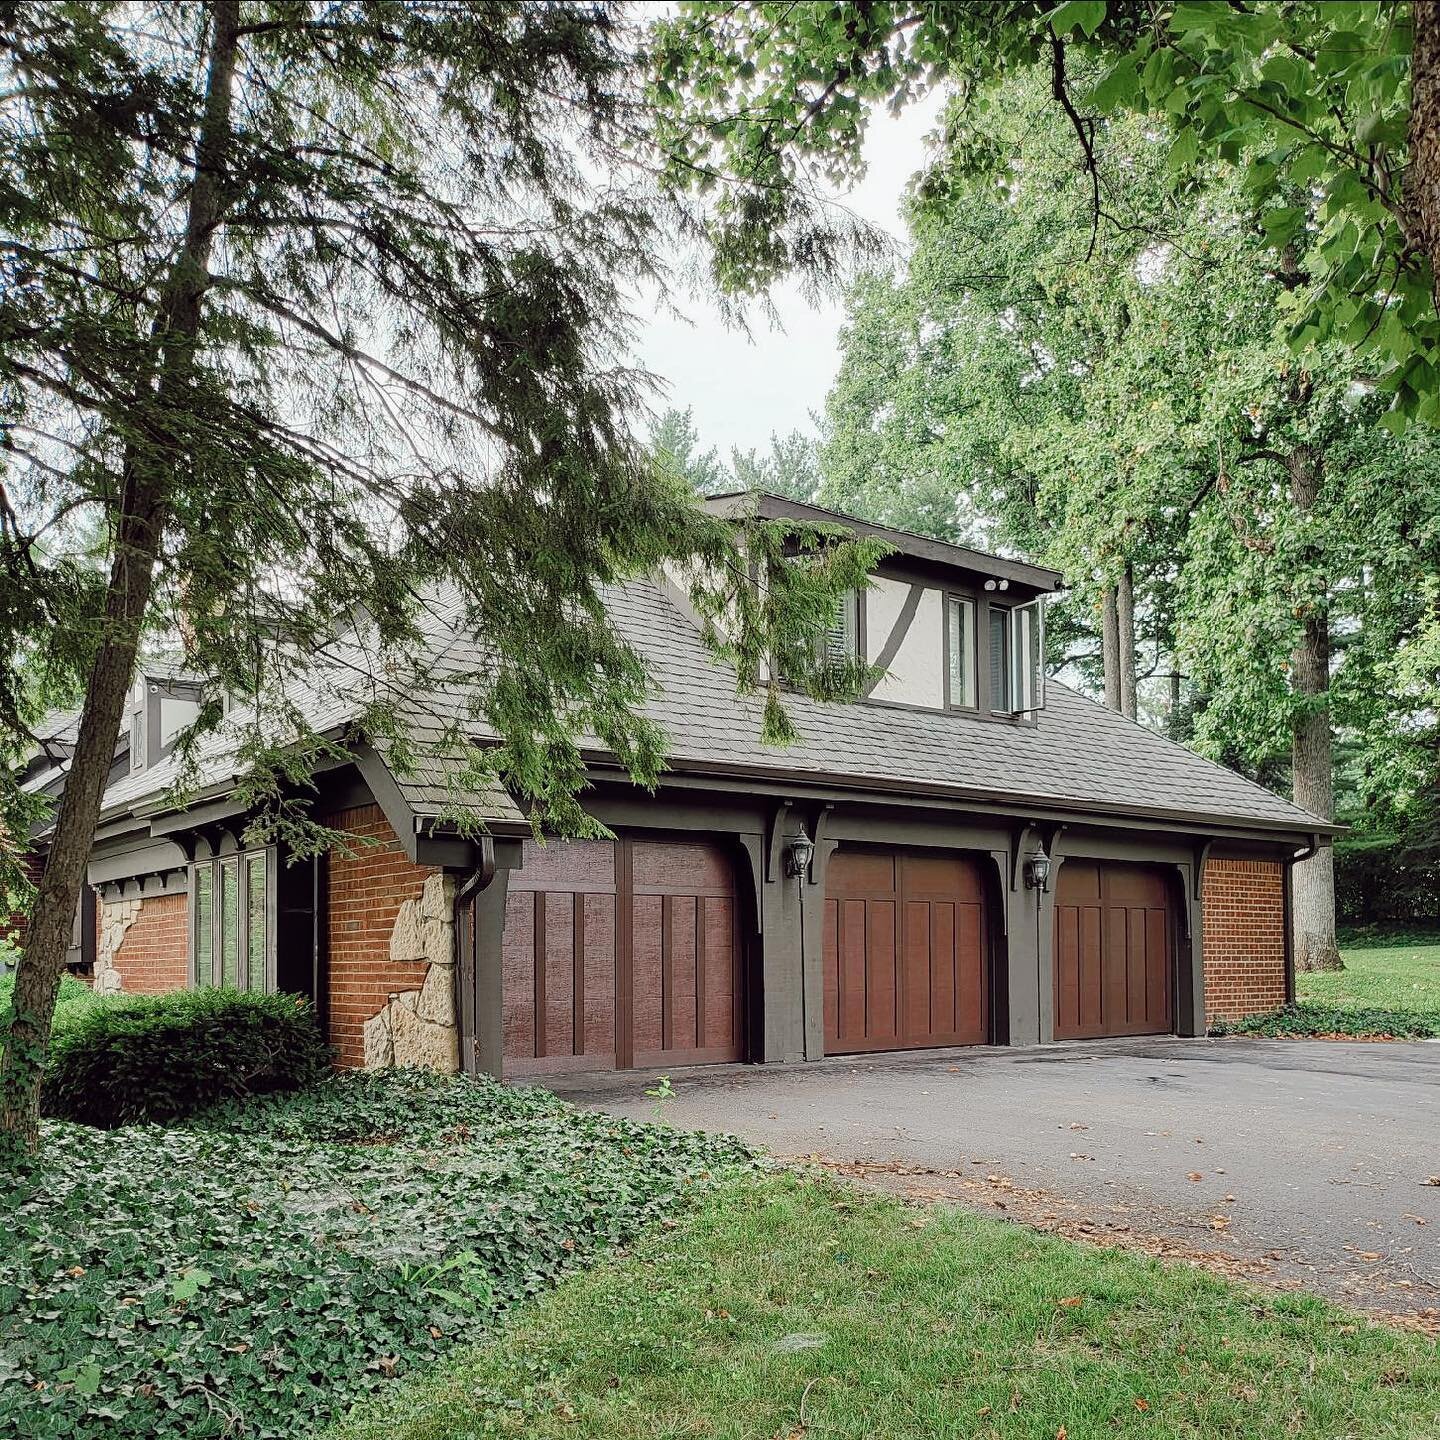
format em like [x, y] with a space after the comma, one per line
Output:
[1078, 756]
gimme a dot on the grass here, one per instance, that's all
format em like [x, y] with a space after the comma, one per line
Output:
[1394, 974]
[1389, 989]
[791, 1308]
[74, 1000]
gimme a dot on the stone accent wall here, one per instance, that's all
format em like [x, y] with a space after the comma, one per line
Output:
[1245, 921]
[143, 946]
[391, 952]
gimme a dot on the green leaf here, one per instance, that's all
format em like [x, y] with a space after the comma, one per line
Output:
[1184, 150]
[1086, 15]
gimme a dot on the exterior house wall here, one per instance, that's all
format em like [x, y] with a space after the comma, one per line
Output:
[1245, 937]
[390, 966]
[143, 945]
[13, 927]
[915, 674]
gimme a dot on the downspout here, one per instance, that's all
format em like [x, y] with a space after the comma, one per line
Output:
[465, 893]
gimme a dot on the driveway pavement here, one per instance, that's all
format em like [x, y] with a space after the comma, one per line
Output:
[1292, 1161]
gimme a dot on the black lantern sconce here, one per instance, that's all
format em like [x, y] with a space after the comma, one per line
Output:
[1037, 871]
[798, 855]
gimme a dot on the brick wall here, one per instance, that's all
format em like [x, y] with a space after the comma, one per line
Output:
[13, 926]
[1245, 924]
[366, 891]
[154, 956]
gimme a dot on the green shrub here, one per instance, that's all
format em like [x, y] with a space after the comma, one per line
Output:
[161, 1057]
[1357, 1021]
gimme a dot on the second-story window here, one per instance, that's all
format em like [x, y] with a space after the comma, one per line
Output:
[960, 652]
[1017, 669]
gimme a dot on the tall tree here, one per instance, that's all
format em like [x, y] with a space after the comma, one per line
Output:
[1305, 95]
[1138, 424]
[317, 311]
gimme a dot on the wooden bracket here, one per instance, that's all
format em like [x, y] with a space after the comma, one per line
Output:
[775, 838]
[1202, 854]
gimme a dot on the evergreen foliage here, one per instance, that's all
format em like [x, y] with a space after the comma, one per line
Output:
[162, 1057]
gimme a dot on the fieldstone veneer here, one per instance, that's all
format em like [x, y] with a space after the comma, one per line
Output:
[116, 917]
[418, 1027]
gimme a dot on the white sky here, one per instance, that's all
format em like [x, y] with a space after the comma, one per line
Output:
[743, 388]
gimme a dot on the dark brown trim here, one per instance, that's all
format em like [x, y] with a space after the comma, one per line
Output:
[540, 959]
[906, 542]
[946, 597]
[624, 957]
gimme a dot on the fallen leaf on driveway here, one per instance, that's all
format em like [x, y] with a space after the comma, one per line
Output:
[1431, 1180]
[1194, 1175]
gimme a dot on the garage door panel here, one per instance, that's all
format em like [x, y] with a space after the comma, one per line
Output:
[944, 962]
[1090, 1007]
[881, 976]
[922, 986]
[1112, 951]
[597, 946]
[600, 970]
[719, 1005]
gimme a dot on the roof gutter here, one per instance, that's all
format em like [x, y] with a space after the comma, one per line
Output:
[1070, 807]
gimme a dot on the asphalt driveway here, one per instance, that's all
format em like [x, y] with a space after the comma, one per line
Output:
[1292, 1161]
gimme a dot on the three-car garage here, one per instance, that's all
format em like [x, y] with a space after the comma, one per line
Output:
[636, 953]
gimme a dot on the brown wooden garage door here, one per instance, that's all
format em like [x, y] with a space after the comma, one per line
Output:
[619, 954]
[904, 952]
[1112, 951]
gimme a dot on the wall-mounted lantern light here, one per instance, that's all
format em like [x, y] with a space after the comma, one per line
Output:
[798, 855]
[1037, 870]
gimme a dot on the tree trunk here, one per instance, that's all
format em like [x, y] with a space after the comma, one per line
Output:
[1125, 624]
[1312, 766]
[143, 508]
[1110, 647]
[1422, 174]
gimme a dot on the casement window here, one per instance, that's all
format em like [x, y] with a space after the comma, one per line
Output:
[1017, 658]
[960, 677]
[231, 938]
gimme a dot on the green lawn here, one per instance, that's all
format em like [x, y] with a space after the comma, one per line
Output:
[791, 1308]
[1388, 974]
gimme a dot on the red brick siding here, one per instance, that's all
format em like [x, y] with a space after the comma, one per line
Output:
[1245, 924]
[13, 927]
[154, 956]
[366, 891]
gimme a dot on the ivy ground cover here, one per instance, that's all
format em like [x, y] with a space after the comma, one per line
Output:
[259, 1269]
[791, 1309]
